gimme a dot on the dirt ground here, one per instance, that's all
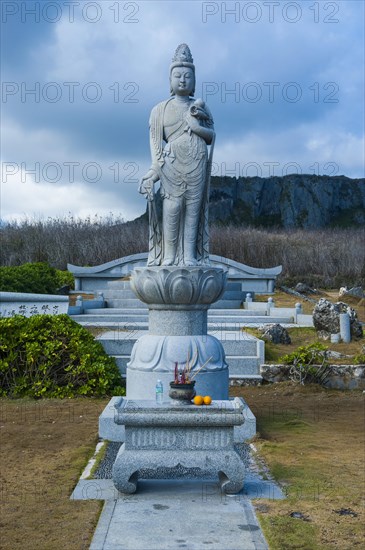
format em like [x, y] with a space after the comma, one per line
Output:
[311, 438]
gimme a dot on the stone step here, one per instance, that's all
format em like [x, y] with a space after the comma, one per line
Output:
[243, 365]
[124, 294]
[118, 284]
[233, 286]
[120, 343]
[125, 285]
[141, 316]
[122, 314]
[218, 314]
[121, 361]
[126, 303]
[233, 295]
[227, 304]
[110, 322]
[120, 294]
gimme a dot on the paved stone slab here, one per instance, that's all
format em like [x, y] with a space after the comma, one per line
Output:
[104, 489]
[168, 515]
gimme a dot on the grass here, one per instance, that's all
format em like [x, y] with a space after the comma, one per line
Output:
[312, 439]
[45, 445]
[304, 337]
[283, 299]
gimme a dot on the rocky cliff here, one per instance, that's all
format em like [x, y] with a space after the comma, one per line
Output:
[305, 201]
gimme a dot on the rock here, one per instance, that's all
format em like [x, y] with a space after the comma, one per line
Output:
[295, 200]
[326, 319]
[323, 334]
[302, 288]
[330, 354]
[276, 334]
[356, 291]
[299, 515]
[64, 290]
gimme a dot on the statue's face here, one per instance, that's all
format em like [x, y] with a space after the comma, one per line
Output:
[182, 81]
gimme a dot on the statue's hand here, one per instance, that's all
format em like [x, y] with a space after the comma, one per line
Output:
[192, 123]
[147, 184]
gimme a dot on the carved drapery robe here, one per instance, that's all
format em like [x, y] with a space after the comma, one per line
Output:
[183, 168]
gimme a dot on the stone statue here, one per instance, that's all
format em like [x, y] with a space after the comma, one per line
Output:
[181, 128]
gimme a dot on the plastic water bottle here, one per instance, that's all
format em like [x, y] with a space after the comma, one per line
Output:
[159, 392]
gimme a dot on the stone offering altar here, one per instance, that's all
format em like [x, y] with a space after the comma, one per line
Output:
[161, 437]
[178, 285]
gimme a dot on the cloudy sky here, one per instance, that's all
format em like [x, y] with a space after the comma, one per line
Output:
[284, 81]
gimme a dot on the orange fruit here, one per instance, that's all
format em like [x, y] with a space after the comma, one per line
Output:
[207, 400]
[198, 400]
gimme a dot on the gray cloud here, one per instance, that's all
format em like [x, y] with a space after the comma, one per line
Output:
[298, 91]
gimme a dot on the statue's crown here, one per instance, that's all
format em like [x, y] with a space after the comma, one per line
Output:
[182, 57]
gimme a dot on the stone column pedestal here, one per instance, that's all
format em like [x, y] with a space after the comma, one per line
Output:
[178, 299]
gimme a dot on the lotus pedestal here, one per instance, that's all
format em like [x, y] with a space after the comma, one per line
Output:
[178, 300]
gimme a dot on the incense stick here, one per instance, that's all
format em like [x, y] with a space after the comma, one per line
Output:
[192, 378]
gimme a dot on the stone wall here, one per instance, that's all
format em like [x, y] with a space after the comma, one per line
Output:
[342, 377]
[22, 303]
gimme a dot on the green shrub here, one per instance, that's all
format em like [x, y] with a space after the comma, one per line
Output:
[52, 356]
[359, 359]
[309, 363]
[64, 278]
[38, 278]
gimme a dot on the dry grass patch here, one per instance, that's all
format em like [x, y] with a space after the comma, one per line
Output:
[85, 296]
[283, 299]
[44, 448]
[304, 337]
[313, 442]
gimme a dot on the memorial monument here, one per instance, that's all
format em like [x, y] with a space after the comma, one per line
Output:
[178, 285]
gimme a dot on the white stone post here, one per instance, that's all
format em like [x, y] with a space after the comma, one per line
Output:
[270, 304]
[345, 328]
[80, 304]
[298, 311]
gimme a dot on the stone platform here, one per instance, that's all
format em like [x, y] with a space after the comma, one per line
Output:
[165, 436]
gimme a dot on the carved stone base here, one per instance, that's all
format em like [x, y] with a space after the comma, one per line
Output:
[227, 464]
[160, 437]
[178, 299]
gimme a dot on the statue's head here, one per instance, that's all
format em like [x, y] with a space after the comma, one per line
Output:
[182, 67]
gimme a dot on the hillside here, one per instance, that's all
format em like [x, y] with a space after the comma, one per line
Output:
[302, 201]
